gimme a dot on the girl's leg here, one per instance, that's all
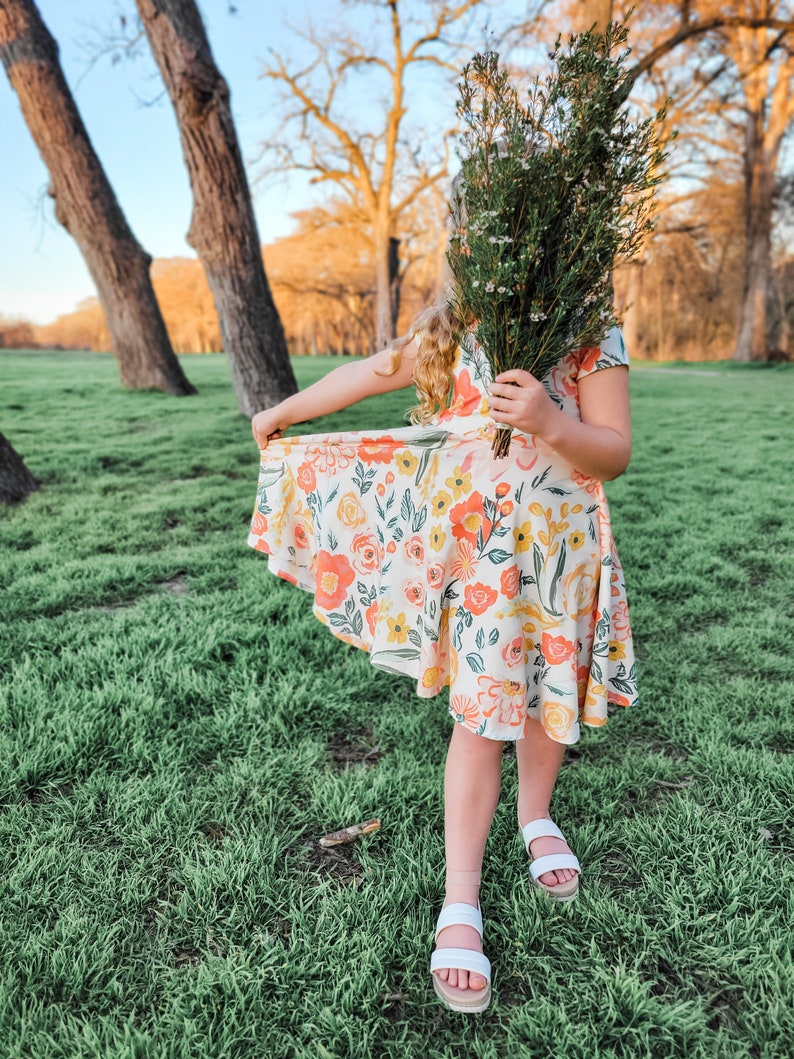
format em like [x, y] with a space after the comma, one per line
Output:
[472, 779]
[539, 759]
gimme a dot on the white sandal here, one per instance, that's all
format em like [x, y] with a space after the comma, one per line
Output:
[545, 828]
[466, 1000]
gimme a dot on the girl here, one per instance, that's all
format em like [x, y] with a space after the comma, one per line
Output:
[498, 578]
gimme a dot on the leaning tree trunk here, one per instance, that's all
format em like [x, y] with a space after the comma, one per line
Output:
[85, 203]
[16, 481]
[223, 229]
[751, 340]
[592, 12]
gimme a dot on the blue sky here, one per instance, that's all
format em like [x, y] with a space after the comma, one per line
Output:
[41, 270]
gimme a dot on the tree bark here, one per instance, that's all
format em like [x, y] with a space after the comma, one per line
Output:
[589, 13]
[86, 205]
[223, 229]
[16, 481]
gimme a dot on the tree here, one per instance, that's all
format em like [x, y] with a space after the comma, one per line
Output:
[223, 229]
[372, 167]
[85, 203]
[16, 481]
[588, 13]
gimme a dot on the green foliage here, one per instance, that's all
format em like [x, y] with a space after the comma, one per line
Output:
[551, 192]
[177, 729]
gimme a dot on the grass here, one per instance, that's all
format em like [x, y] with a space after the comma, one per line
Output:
[177, 730]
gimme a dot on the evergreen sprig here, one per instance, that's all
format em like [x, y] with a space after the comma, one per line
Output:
[551, 193]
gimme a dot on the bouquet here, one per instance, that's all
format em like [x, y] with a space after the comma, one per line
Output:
[551, 192]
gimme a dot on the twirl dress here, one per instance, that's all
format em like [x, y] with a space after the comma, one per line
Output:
[499, 578]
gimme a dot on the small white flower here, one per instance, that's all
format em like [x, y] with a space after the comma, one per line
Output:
[489, 286]
[493, 239]
[475, 283]
[537, 317]
[501, 290]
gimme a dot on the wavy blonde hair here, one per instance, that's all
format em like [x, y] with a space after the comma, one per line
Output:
[438, 331]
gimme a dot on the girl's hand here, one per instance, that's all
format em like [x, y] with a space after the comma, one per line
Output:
[269, 425]
[519, 400]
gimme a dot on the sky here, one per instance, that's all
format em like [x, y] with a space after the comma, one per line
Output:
[131, 124]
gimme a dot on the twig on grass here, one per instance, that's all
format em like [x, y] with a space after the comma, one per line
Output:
[350, 834]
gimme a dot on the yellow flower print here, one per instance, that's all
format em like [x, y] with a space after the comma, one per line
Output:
[406, 463]
[437, 538]
[350, 512]
[441, 502]
[576, 540]
[459, 483]
[430, 677]
[523, 537]
[398, 629]
[557, 719]
[616, 650]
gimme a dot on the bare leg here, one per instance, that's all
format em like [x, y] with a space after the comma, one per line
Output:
[539, 759]
[472, 779]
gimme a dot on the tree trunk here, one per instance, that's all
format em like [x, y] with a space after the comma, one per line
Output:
[751, 341]
[223, 229]
[16, 481]
[383, 299]
[395, 281]
[631, 311]
[592, 12]
[86, 205]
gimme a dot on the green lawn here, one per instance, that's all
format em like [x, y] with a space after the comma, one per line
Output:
[177, 730]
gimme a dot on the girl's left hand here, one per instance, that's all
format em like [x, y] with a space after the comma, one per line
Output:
[520, 400]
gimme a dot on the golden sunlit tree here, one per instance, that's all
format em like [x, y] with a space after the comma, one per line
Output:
[356, 141]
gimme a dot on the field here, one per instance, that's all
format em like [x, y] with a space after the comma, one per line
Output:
[177, 730]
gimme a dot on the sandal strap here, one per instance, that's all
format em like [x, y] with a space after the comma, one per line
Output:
[551, 862]
[461, 960]
[541, 828]
[460, 914]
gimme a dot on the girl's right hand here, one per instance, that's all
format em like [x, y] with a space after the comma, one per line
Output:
[268, 426]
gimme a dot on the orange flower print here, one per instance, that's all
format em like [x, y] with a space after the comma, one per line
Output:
[465, 400]
[508, 697]
[620, 620]
[350, 512]
[510, 582]
[453, 662]
[365, 553]
[334, 575]
[435, 575]
[406, 462]
[441, 502]
[307, 479]
[459, 482]
[503, 489]
[330, 457]
[389, 477]
[414, 549]
[414, 592]
[580, 592]
[587, 357]
[300, 535]
[522, 537]
[556, 649]
[464, 710]
[615, 583]
[381, 489]
[590, 485]
[464, 565]
[398, 629]
[371, 614]
[557, 719]
[468, 519]
[478, 598]
[376, 450]
[616, 650]
[505, 507]
[259, 523]
[430, 677]
[513, 652]
[391, 547]
[582, 678]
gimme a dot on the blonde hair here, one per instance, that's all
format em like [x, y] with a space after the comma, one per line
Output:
[438, 331]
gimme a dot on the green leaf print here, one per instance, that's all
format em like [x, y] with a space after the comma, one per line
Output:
[419, 519]
[431, 440]
[269, 475]
[498, 555]
[492, 639]
[556, 578]
[407, 506]
[398, 652]
[479, 639]
[476, 663]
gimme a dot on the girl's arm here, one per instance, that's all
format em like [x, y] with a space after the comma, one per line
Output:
[599, 445]
[339, 388]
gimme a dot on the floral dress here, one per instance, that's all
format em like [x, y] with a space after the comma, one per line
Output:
[497, 577]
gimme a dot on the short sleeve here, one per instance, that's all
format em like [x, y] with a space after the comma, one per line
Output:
[612, 353]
